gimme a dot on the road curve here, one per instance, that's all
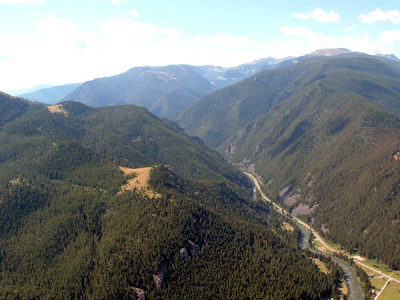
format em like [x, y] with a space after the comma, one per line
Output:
[355, 292]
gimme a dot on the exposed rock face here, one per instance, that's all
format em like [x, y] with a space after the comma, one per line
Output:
[141, 295]
[160, 278]
[184, 253]
[193, 248]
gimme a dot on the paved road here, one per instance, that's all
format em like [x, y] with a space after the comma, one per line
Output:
[387, 276]
[355, 292]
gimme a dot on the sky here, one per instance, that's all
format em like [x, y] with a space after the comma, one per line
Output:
[59, 42]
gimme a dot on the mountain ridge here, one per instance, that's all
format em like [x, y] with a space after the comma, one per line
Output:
[71, 230]
[324, 130]
[163, 90]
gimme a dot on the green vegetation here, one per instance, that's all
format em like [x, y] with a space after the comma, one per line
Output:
[68, 232]
[162, 90]
[327, 128]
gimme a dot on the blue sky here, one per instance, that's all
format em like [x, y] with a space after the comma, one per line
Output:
[58, 42]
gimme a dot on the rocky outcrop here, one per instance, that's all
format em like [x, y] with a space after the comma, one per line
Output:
[140, 294]
[193, 248]
[160, 277]
[184, 253]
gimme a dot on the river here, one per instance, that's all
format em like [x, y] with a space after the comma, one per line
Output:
[355, 292]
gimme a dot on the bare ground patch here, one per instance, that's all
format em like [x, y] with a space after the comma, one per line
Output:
[57, 109]
[139, 182]
[304, 210]
[321, 265]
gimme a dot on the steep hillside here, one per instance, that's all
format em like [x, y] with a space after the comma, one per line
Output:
[70, 228]
[11, 107]
[323, 134]
[125, 132]
[221, 114]
[162, 90]
[51, 95]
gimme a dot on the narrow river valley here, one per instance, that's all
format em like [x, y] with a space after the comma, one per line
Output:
[355, 292]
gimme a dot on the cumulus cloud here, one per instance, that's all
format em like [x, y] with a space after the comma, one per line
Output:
[301, 16]
[58, 52]
[320, 16]
[390, 37]
[349, 28]
[303, 40]
[3, 57]
[379, 15]
[120, 27]
[133, 13]
[22, 1]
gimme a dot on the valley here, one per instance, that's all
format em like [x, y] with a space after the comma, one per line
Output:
[112, 201]
[352, 282]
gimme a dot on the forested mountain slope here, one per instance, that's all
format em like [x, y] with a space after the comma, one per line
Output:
[162, 90]
[324, 135]
[69, 229]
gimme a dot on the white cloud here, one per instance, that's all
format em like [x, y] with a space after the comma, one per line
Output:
[3, 57]
[350, 28]
[225, 40]
[133, 13]
[390, 37]
[320, 16]
[300, 16]
[22, 1]
[379, 15]
[58, 52]
[117, 2]
[125, 29]
[303, 40]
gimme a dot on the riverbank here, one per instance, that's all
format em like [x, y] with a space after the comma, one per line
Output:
[355, 292]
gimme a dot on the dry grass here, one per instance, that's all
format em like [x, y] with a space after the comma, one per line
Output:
[344, 289]
[378, 282]
[288, 227]
[57, 109]
[391, 292]
[15, 181]
[321, 265]
[139, 182]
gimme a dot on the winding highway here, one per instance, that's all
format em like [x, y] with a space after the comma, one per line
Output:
[355, 292]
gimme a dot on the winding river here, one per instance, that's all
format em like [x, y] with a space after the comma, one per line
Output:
[355, 292]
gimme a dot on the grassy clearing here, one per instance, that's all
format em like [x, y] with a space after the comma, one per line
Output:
[57, 109]
[381, 267]
[321, 265]
[138, 181]
[391, 292]
[287, 226]
[317, 244]
[378, 283]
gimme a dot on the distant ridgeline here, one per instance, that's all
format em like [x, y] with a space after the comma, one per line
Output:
[71, 229]
[324, 134]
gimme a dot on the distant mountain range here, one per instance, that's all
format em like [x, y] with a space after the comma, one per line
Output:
[324, 136]
[167, 90]
[163, 90]
[50, 95]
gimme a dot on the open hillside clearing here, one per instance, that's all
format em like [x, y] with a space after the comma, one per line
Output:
[139, 182]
